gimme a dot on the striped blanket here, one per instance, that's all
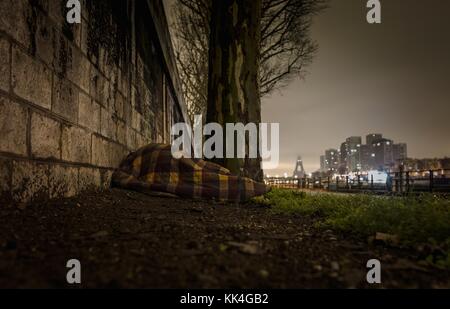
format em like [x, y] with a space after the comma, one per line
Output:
[153, 169]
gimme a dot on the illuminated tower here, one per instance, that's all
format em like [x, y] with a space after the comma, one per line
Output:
[299, 171]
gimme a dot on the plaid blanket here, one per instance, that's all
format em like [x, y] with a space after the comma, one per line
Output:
[153, 169]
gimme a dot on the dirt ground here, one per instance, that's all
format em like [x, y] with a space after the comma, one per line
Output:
[127, 240]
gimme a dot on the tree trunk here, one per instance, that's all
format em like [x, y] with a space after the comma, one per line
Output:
[233, 88]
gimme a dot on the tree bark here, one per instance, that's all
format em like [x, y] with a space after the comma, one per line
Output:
[233, 87]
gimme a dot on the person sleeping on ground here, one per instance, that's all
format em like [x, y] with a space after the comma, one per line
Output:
[153, 169]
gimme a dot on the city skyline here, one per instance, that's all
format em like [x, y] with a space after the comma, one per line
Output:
[390, 78]
[373, 152]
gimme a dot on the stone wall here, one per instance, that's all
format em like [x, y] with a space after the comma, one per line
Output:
[76, 99]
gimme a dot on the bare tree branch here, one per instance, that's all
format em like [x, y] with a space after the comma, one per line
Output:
[286, 46]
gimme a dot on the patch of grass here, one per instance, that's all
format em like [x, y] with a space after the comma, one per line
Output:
[415, 220]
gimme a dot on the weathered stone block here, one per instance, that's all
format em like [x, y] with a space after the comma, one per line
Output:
[5, 66]
[140, 140]
[84, 9]
[136, 120]
[76, 145]
[44, 38]
[131, 139]
[107, 66]
[118, 105]
[29, 182]
[100, 152]
[89, 113]
[65, 99]
[124, 83]
[76, 33]
[145, 140]
[78, 70]
[108, 124]
[63, 181]
[5, 180]
[13, 127]
[127, 109]
[89, 179]
[134, 97]
[121, 132]
[13, 20]
[160, 139]
[109, 90]
[31, 80]
[140, 66]
[84, 37]
[63, 55]
[107, 154]
[40, 4]
[99, 87]
[45, 137]
[117, 154]
[146, 128]
[56, 11]
[106, 176]
[146, 102]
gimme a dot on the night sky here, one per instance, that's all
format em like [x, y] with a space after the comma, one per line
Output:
[392, 78]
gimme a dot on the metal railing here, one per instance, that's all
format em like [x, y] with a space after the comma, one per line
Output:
[400, 182]
[421, 181]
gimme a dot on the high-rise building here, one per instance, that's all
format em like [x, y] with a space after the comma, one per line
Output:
[383, 153]
[400, 152]
[331, 160]
[322, 163]
[370, 157]
[343, 158]
[377, 153]
[373, 138]
[354, 153]
[366, 157]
